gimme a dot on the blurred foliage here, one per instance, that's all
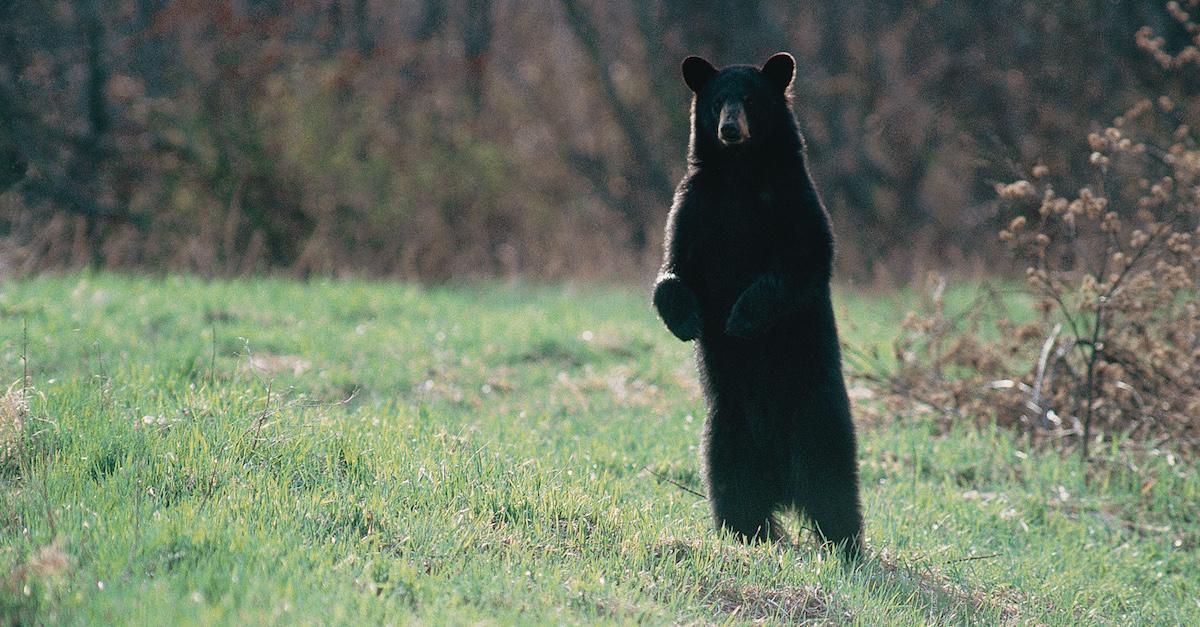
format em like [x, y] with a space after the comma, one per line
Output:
[431, 140]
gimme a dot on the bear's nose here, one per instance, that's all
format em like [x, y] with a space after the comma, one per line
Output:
[730, 132]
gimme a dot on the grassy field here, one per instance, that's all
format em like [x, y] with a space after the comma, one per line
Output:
[347, 452]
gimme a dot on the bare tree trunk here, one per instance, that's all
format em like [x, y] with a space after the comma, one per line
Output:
[655, 175]
[12, 161]
[666, 83]
[431, 20]
[12, 164]
[364, 39]
[477, 36]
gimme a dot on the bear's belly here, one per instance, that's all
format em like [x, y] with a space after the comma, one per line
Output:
[796, 353]
[779, 388]
[733, 259]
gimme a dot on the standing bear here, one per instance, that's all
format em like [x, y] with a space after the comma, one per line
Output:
[746, 269]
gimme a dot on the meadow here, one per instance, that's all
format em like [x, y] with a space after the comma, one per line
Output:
[350, 452]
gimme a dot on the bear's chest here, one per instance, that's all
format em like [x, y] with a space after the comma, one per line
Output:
[743, 233]
[742, 225]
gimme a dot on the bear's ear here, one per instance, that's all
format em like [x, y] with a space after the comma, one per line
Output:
[779, 70]
[697, 72]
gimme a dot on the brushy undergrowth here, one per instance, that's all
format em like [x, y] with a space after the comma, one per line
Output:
[1106, 342]
[349, 453]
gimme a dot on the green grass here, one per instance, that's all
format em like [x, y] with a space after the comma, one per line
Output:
[348, 452]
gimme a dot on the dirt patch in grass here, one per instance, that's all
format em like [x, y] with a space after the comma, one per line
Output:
[803, 604]
[739, 601]
[552, 351]
[945, 599]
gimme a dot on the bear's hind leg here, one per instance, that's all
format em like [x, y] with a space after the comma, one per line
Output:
[837, 518]
[831, 500]
[750, 521]
[740, 490]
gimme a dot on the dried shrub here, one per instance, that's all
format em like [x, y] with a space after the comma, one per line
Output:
[1112, 342]
[1115, 269]
[952, 363]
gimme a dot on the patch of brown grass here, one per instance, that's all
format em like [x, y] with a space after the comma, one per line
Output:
[50, 561]
[266, 363]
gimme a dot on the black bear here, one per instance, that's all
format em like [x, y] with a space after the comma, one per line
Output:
[746, 270]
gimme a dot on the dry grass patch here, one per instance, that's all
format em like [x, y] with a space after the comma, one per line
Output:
[47, 562]
[268, 364]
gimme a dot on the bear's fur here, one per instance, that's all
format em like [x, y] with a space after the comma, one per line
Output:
[748, 256]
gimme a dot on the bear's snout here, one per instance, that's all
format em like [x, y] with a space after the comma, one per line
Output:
[733, 128]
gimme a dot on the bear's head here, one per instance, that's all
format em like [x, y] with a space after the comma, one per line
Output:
[740, 107]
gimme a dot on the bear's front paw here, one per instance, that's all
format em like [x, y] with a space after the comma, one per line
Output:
[744, 325]
[678, 307]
